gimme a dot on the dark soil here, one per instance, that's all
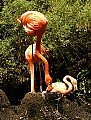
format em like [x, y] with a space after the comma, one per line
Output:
[48, 106]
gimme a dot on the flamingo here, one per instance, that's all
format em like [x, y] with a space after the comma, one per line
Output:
[62, 88]
[34, 24]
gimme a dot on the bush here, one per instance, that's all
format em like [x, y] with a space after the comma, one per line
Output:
[67, 37]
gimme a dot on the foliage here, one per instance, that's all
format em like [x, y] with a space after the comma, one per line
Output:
[85, 81]
[68, 39]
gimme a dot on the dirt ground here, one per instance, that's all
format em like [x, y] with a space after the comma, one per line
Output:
[48, 106]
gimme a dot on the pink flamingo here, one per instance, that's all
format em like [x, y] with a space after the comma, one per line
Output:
[62, 88]
[34, 24]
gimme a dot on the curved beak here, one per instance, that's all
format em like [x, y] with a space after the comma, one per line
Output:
[75, 88]
[18, 20]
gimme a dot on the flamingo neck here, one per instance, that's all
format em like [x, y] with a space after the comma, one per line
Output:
[73, 81]
[69, 85]
[48, 79]
[38, 46]
[38, 43]
[44, 60]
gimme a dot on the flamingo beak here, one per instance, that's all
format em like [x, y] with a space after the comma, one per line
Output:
[18, 20]
[75, 88]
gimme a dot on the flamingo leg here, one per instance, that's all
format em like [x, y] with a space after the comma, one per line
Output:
[40, 78]
[32, 76]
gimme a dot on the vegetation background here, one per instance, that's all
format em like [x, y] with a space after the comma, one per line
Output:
[67, 38]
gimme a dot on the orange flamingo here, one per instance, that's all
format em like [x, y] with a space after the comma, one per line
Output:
[35, 23]
[62, 87]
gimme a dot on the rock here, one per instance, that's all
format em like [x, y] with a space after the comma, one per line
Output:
[47, 106]
[6, 112]
[40, 108]
[4, 101]
[52, 106]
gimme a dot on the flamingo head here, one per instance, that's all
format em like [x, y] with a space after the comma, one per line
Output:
[48, 81]
[34, 23]
[23, 17]
[74, 83]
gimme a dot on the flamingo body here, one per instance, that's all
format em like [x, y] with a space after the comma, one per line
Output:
[62, 87]
[29, 54]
